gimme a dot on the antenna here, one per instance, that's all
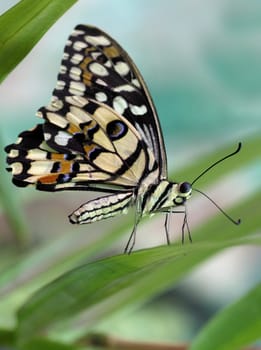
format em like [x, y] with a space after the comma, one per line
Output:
[219, 208]
[236, 222]
[214, 164]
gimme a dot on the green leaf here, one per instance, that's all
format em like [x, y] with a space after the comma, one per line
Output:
[124, 279]
[46, 344]
[7, 337]
[11, 207]
[234, 327]
[23, 25]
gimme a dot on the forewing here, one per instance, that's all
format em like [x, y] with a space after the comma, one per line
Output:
[95, 66]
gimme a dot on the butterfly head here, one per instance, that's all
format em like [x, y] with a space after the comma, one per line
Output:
[184, 191]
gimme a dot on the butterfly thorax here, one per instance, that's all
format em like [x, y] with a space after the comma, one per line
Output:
[164, 195]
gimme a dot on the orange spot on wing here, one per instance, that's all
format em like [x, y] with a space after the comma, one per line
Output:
[66, 167]
[87, 75]
[89, 148]
[49, 179]
[111, 52]
[72, 129]
[57, 156]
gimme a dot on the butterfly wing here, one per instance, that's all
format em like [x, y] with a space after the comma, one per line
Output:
[83, 145]
[100, 129]
[96, 66]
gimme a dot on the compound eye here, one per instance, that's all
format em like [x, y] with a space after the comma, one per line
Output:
[185, 187]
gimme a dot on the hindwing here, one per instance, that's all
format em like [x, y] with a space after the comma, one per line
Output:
[83, 145]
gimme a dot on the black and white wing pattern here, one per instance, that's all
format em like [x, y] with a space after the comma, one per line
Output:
[100, 129]
[96, 66]
[99, 132]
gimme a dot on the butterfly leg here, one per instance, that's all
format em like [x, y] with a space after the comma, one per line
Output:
[131, 241]
[166, 225]
[185, 224]
[128, 243]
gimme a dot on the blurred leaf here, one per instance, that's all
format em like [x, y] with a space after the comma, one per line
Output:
[23, 25]
[11, 207]
[124, 279]
[237, 325]
[7, 337]
[46, 344]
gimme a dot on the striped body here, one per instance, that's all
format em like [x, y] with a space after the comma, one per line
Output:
[161, 197]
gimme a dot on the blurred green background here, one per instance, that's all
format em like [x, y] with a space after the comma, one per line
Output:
[202, 63]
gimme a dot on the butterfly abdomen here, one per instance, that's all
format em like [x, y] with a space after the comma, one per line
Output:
[102, 208]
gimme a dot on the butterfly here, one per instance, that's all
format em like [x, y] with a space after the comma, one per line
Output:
[100, 132]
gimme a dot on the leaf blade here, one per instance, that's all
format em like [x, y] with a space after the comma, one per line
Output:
[127, 279]
[235, 326]
[23, 25]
